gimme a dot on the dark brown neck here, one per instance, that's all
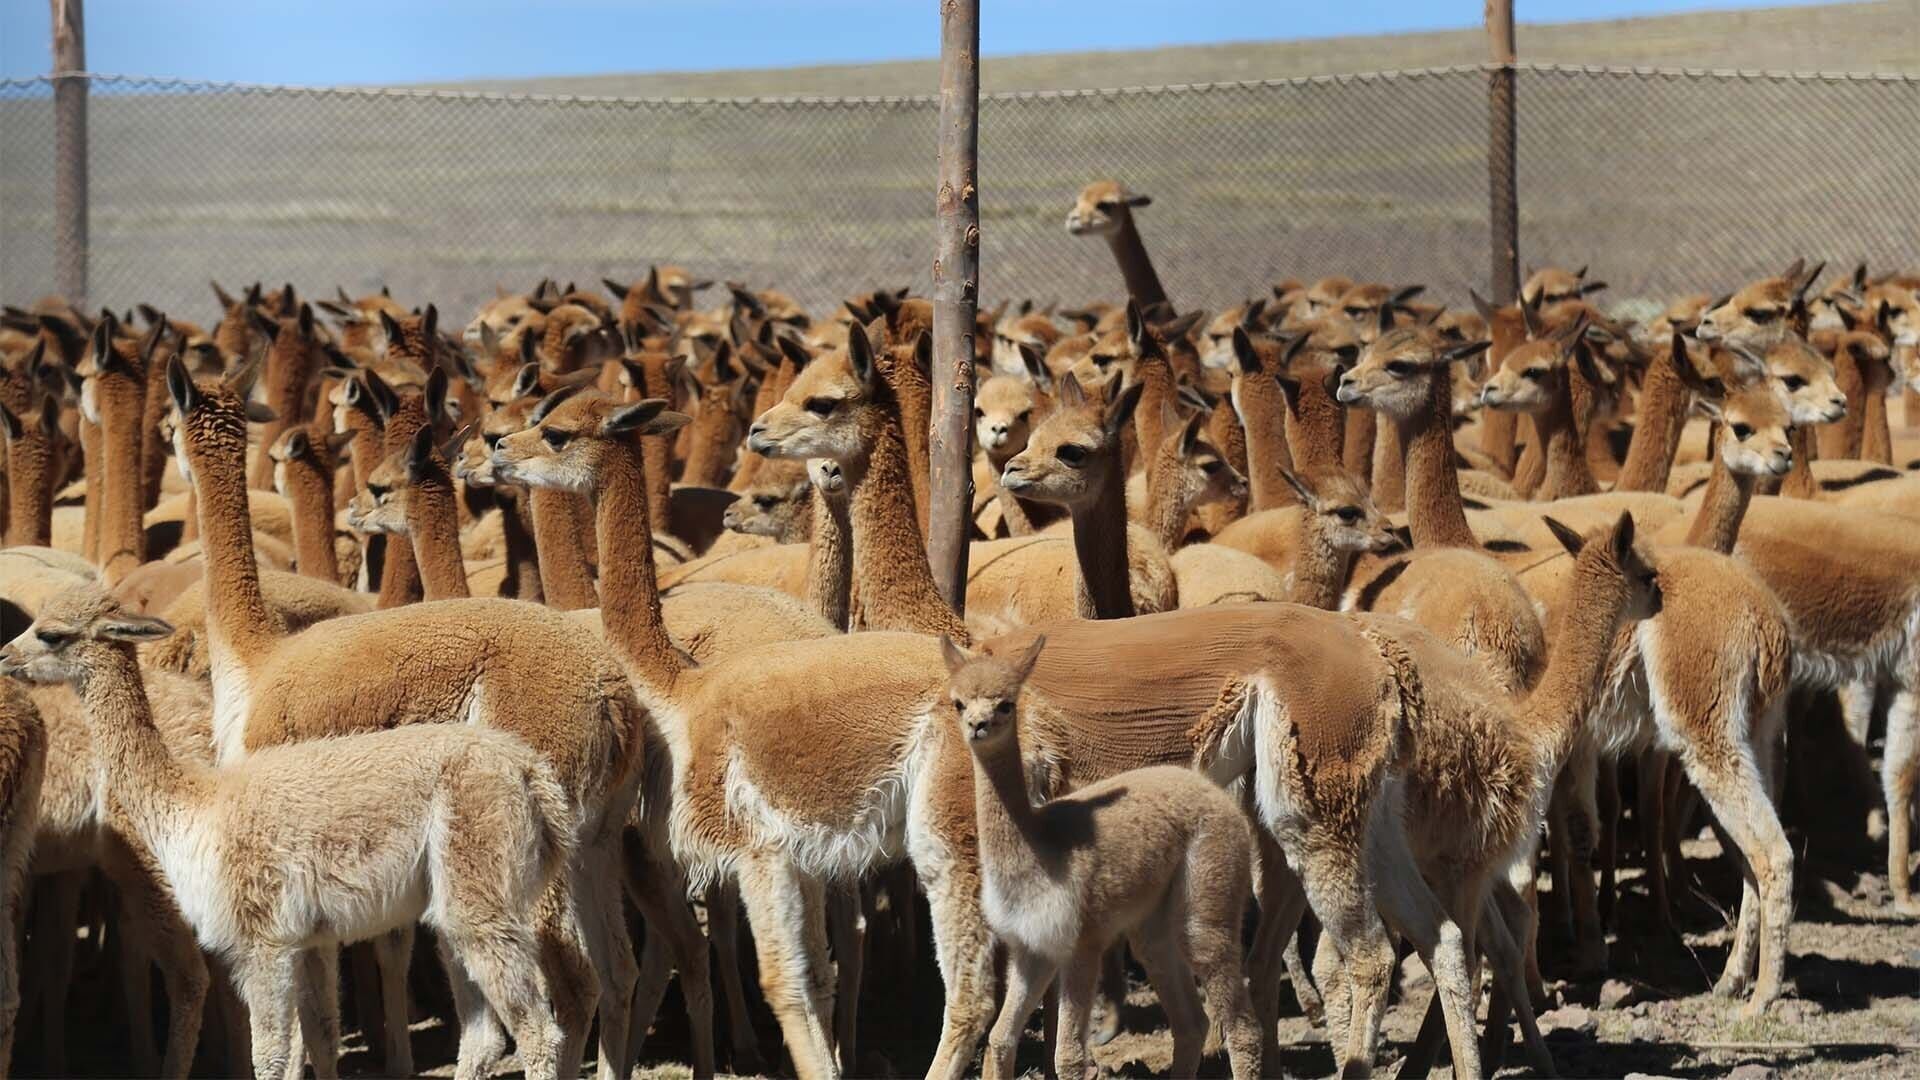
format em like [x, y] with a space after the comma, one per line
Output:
[566, 580]
[1435, 512]
[710, 449]
[629, 581]
[1661, 413]
[1136, 266]
[1104, 588]
[1498, 440]
[310, 500]
[896, 590]
[433, 520]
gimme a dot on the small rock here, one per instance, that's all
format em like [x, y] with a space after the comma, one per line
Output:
[1835, 894]
[1617, 993]
[1752, 1070]
[1569, 1021]
[1649, 1076]
[1645, 1030]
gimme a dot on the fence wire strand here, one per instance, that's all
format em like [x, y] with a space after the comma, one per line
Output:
[1664, 181]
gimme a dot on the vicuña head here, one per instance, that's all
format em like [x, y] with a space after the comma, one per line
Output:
[1533, 375]
[74, 631]
[833, 410]
[1759, 314]
[1394, 373]
[1755, 418]
[1070, 454]
[1609, 554]
[1103, 206]
[1342, 511]
[984, 690]
[570, 436]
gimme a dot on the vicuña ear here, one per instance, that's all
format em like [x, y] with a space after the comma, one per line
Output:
[550, 402]
[420, 454]
[1120, 410]
[1027, 659]
[389, 327]
[1453, 354]
[124, 626]
[10, 425]
[1569, 539]
[1481, 305]
[1243, 352]
[1623, 537]
[1300, 488]
[618, 290]
[954, 655]
[1072, 394]
[181, 385]
[649, 416]
[1190, 434]
[860, 352]
[298, 445]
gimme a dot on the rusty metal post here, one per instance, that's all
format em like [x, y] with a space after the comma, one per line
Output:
[956, 293]
[70, 151]
[1502, 142]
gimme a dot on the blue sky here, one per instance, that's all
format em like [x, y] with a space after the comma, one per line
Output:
[394, 41]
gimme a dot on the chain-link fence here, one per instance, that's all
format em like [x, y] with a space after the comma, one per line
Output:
[1663, 182]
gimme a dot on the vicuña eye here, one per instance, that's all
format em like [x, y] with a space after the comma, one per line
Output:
[1003, 708]
[1348, 514]
[555, 437]
[1071, 454]
[820, 406]
[1740, 431]
[1399, 369]
[1794, 382]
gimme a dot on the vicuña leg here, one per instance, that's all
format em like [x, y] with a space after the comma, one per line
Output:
[789, 931]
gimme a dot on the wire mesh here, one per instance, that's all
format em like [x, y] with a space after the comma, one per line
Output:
[1662, 181]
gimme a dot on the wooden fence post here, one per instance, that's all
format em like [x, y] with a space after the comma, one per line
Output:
[956, 293]
[70, 151]
[1503, 193]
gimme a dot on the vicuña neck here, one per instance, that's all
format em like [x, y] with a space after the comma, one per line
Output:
[145, 786]
[1316, 425]
[889, 556]
[238, 619]
[1559, 706]
[123, 538]
[565, 578]
[433, 520]
[1319, 569]
[1389, 469]
[1356, 451]
[629, 581]
[516, 531]
[1103, 588]
[710, 447]
[399, 573]
[1012, 836]
[1800, 483]
[1136, 266]
[830, 560]
[1567, 471]
[93, 453]
[1716, 524]
[1876, 436]
[289, 366]
[1435, 513]
[310, 500]
[1263, 414]
[30, 488]
[1658, 418]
